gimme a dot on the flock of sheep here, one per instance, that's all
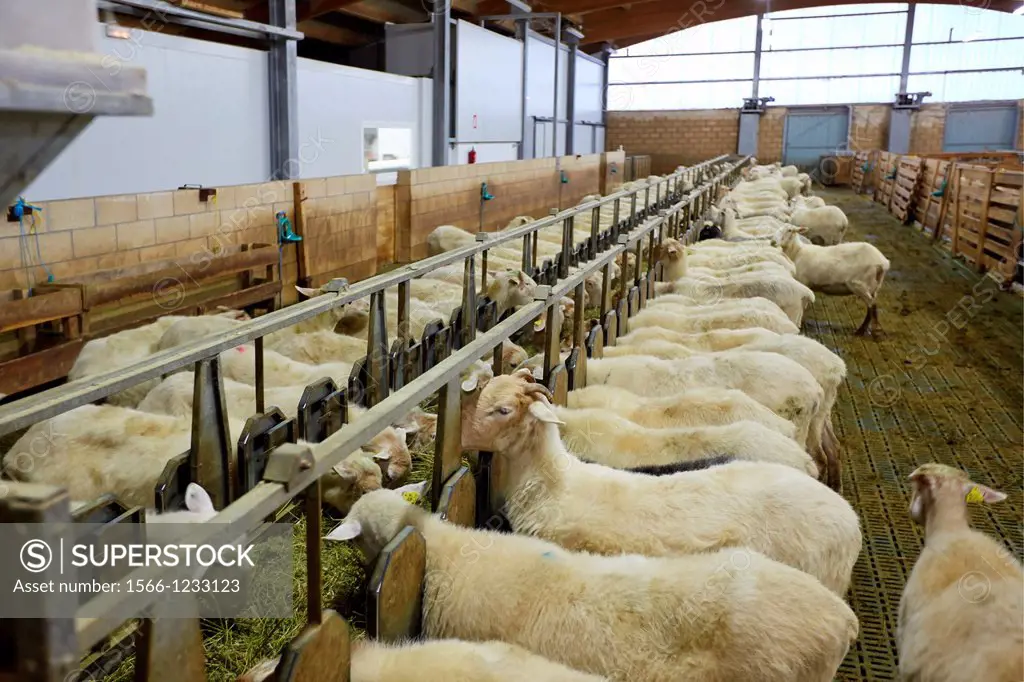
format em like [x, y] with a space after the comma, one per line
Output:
[677, 520]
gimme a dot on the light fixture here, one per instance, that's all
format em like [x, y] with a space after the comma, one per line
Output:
[118, 31]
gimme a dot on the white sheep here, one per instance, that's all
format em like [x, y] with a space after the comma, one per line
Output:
[773, 380]
[444, 660]
[961, 616]
[826, 367]
[550, 493]
[789, 171]
[781, 288]
[851, 268]
[625, 617]
[601, 436]
[825, 226]
[676, 260]
[801, 201]
[127, 347]
[98, 449]
[696, 407]
[174, 396]
[448, 238]
[704, 318]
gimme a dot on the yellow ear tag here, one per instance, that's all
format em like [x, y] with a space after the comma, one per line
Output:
[538, 325]
[975, 495]
[411, 497]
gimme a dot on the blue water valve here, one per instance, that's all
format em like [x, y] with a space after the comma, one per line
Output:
[565, 178]
[484, 194]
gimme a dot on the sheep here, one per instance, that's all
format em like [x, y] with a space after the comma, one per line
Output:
[445, 660]
[548, 492]
[961, 616]
[712, 305]
[775, 381]
[851, 268]
[98, 449]
[448, 238]
[801, 201]
[626, 617]
[604, 437]
[807, 181]
[789, 171]
[697, 407]
[198, 508]
[316, 348]
[788, 293]
[127, 347]
[174, 396]
[826, 226]
[704, 318]
[675, 258]
[826, 367]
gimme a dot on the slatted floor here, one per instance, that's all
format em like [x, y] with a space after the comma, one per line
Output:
[944, 383]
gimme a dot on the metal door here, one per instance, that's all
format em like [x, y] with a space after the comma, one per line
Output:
[811, 133]
[979, 127]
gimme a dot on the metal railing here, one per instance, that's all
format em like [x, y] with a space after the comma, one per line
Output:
[385, 381]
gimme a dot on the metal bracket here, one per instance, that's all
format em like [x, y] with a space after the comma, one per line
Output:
[910, 100]
[335, 286]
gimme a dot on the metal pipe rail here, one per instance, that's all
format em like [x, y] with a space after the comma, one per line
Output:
[301, 466]
[27, 411]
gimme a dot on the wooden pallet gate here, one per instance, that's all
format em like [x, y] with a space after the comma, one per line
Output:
[904, 190]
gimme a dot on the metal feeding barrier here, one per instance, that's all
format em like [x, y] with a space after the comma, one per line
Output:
[268, 468]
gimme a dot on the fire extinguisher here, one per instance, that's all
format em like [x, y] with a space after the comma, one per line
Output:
[472, 155]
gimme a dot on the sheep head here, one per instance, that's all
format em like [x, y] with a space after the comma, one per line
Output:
[786, 236]
[390, 450]
[353, 318]
[347, 482]
[592, 288]
[510, 289]
[377, 517]
[938, 483]
[512, 355]
[422, 426]
[511, 411]
[519, 221]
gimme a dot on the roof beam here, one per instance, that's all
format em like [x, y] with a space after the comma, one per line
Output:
[654, 18]
[318, 30]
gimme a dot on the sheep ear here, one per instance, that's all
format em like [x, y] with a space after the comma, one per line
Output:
[542, 412]
[307, 292]
[346, 474]
[469, 385]
[346, 530]
[412, 492]
[524, 373]
[383, 455]
[976, 492]
[522, 279]
[198, 500]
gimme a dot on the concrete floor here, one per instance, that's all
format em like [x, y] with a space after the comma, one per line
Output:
[943, 383]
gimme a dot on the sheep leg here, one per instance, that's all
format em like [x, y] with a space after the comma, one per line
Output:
[861, 291]
[835, 471]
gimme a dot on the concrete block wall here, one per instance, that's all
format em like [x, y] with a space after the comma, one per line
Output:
[684, 137]
[673, 138]
[428, 197]
[78, 236]
[340, 229]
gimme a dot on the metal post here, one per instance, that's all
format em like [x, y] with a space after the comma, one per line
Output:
[908, 41]
[554, 116]
[284, 94]
[757, 57]
[441, 15]
[522, 30]
[570, 101]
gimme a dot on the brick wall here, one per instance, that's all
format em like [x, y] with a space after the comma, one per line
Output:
[769, 135]
[79, 236]
[339, 230]
[674, 138]
[870, 127]
[428, 197]
[927, 126]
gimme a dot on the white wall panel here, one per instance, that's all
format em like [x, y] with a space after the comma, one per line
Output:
[337, 102]
[492, 152]
[540, 81]
[489, 82]
[589, 89]
[210, 123]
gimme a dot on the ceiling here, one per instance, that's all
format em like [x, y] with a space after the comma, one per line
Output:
[604, 23]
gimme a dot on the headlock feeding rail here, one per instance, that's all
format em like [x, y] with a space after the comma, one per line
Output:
[269, 469]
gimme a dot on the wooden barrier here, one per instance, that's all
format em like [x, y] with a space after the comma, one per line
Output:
[904, 189]
[987, 218]
[637, 168]
[886, 171]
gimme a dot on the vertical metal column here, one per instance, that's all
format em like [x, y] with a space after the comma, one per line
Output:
[523, 33]
[908, 41]
[554, 115]
[440, 129]
[757, 57]
[284, 97]
[570, 100]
